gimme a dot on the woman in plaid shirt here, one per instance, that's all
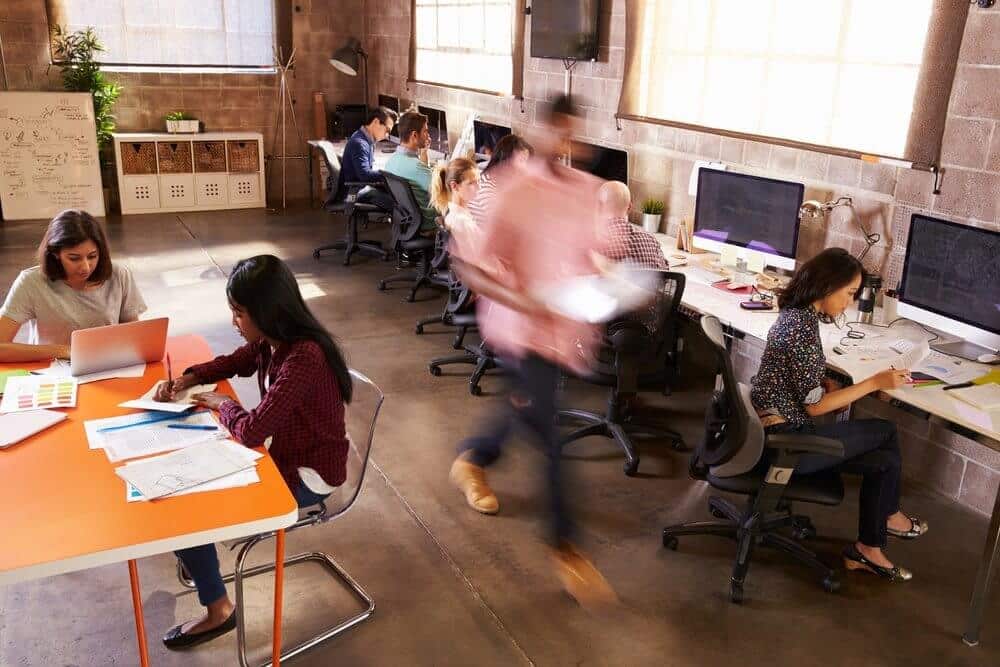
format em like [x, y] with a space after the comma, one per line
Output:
[304, 385]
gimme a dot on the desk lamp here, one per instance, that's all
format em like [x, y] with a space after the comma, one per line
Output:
[871, 282]
[348, 59]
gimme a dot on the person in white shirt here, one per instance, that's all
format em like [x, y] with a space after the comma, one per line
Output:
[75, 286]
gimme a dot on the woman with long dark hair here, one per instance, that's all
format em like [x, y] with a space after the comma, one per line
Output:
[75, 286]
[790, 389]
[304, 385]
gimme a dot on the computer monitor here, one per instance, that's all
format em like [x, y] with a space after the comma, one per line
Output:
[951, 280]
[390, 102]
[610, 164]
[751, 214]
[487, 136]
[437, 123]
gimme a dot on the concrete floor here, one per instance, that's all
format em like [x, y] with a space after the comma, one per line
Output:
[456, 588]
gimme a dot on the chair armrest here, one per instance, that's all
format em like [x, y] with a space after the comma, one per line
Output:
[362, 184]
[805, 443]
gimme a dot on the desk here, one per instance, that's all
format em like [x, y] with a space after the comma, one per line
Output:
[82, 519]
[932, 402]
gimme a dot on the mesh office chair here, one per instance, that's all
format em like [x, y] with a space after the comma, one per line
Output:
[406, 238]
[736, 456]
[638, 352]
[356, 212]
[361, 416]
[459, 297]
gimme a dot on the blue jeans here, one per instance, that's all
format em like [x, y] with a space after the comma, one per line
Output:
[202, 562]
[534, 381]
[871, 449]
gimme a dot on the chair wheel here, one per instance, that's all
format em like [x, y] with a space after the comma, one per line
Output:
[679, 446]
[803, 532]
[435, 370]
[419, 329]
[716, 513]
[381, 287]
[670, 542]
[475, 390]
[315, 254]
[409, 298]
[831, 584]
[631, 467]
[736, 592]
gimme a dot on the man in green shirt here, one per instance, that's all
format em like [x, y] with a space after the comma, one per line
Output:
[410, 162]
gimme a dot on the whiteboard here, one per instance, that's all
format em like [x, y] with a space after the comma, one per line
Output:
[48, 155]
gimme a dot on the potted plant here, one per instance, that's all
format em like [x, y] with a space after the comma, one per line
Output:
[652, 213]
[178, 121]
[73, 54]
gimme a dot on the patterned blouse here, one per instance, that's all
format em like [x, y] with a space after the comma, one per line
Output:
[792, 368]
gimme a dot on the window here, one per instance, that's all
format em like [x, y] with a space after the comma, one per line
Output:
[464, 43]
[844, 74]
[178, 33]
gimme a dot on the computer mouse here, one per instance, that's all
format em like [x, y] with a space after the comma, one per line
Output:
[988, 358]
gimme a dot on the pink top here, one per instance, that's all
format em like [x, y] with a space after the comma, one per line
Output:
[540, 231]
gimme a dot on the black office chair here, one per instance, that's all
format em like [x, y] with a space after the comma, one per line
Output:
[357, 213]
[406, 238]
[459, 297]
[736, 456]
[638, 352]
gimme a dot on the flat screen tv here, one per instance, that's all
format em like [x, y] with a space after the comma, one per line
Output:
[565, 29]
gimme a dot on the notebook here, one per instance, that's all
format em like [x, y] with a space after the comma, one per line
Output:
[18, 426]
[983, 396]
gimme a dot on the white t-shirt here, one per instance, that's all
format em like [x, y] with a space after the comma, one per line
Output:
[52, 310]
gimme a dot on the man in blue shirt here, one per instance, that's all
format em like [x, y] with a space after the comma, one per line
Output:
[410, 161]
[358, 164]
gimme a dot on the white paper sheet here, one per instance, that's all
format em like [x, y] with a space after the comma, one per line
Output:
[21, 425]
[600, 298]
[160, 476]
[155, 438]
[180, 403]
[60, 367]
[237, 479]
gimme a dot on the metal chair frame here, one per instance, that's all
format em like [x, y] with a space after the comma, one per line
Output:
[314, 517]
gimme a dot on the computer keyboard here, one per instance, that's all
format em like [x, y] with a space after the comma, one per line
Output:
[701, 275]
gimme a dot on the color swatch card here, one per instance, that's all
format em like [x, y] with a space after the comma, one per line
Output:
[35, 392]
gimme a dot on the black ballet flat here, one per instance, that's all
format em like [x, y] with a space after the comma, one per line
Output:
[176, 640]
[918, 528]
[854, 560]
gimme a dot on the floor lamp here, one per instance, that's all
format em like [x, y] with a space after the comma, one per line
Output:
[348, 59]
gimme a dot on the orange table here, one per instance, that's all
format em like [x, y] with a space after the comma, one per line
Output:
[81, 519]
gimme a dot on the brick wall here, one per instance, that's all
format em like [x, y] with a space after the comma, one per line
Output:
[245, 102]
[661, 158]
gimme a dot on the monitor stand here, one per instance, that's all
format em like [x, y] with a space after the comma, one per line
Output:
[962, 348]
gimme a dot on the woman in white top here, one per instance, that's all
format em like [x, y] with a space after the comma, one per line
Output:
[75, 286]
[453, 186]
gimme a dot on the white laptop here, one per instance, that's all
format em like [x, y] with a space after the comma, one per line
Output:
[116, 346]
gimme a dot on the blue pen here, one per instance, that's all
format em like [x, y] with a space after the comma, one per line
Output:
[194, 427]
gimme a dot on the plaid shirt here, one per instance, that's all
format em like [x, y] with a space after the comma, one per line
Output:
[625, 241]
[300, 410]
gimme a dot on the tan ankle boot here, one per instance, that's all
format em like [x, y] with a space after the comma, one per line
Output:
[471, 480]
[581, 579]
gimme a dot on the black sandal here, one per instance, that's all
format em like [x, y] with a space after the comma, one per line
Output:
[918, 528]
[175, 639]
[854, 560]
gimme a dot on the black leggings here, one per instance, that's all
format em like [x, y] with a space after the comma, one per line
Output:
[871, 449]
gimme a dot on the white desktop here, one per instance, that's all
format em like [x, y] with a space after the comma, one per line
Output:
[747, 218]
[951, 282]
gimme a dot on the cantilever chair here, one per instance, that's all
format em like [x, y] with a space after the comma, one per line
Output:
[354, 211]
[638, 352]
[361, 416]
[736, 456]
[406, 238]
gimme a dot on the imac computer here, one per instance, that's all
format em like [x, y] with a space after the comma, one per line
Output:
[487, 136]
[750, 214]
[951, 282]
[437, 125]
[609, 164]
